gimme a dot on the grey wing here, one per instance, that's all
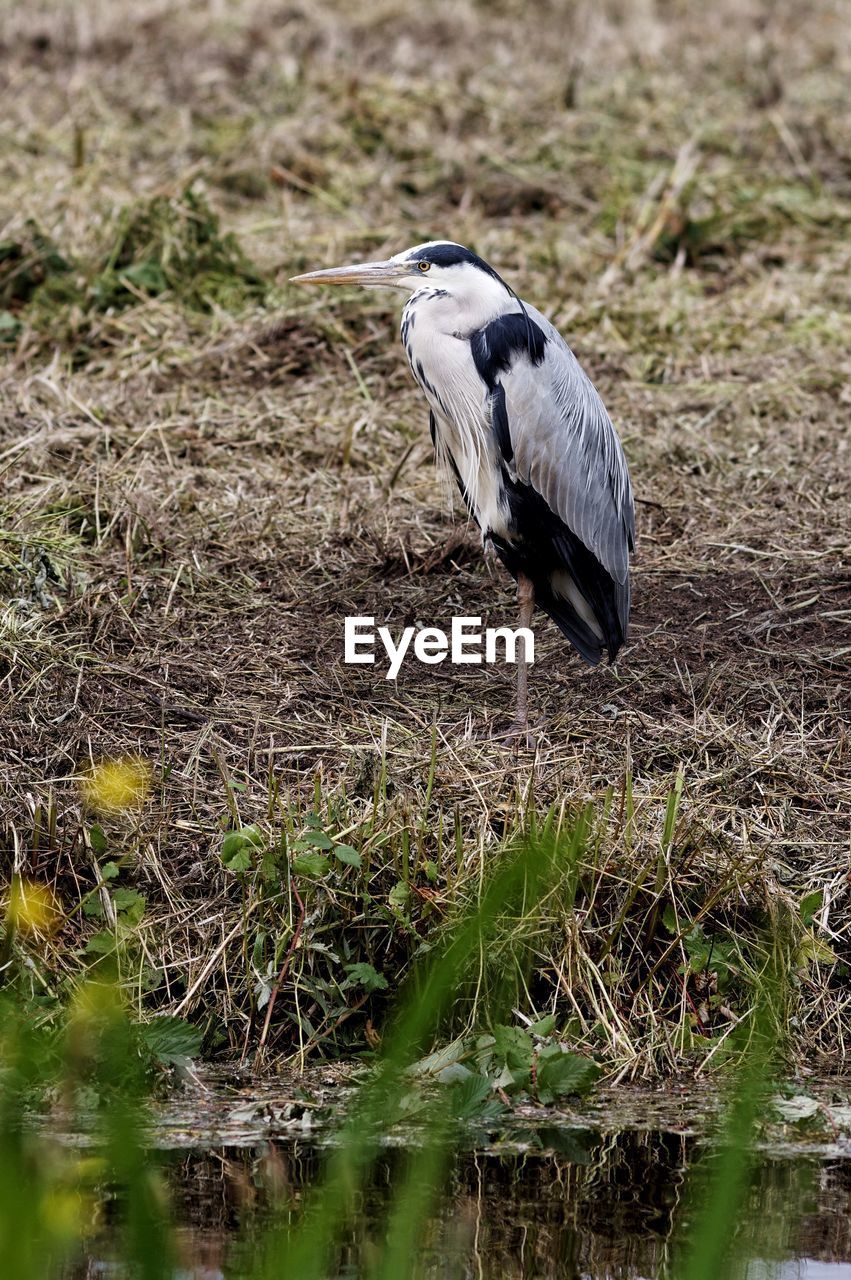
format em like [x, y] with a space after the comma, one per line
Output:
[566, 448]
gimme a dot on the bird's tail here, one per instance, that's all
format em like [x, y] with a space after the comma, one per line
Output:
[582, 599]
[578, 632]
[609, 614]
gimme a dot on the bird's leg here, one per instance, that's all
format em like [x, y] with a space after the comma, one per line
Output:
[526, 602]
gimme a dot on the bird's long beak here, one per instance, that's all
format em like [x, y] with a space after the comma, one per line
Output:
[366, 273]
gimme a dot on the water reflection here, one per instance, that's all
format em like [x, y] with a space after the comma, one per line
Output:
[798, 1269]
[576, 1206]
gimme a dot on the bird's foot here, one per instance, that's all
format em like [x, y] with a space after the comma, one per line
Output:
[516, 736]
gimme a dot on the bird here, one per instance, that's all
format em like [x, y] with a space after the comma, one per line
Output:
[518, 423]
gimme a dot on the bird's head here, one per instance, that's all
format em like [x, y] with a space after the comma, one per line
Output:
[437, 265]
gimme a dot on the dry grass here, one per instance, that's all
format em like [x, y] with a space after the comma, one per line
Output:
[198, 487]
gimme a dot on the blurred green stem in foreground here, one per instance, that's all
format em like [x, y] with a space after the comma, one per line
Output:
[709, 1244]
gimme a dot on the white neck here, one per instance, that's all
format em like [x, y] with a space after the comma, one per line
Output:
[462, 298]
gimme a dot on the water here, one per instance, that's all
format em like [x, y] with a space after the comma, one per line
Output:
[595, 1196]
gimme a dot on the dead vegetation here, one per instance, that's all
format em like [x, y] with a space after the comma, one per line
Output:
[204, 473]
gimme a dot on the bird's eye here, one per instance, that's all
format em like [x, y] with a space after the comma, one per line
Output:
[423, 265]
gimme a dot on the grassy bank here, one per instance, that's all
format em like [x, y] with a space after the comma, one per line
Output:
[401, 1130]
[203, 474]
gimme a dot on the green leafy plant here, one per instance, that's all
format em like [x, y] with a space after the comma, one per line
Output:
[313, 850]
[170, 1041]
[173, 243]
[363, 975]
[239, 849]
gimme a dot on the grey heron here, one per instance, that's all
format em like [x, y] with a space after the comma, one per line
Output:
[518, 422]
